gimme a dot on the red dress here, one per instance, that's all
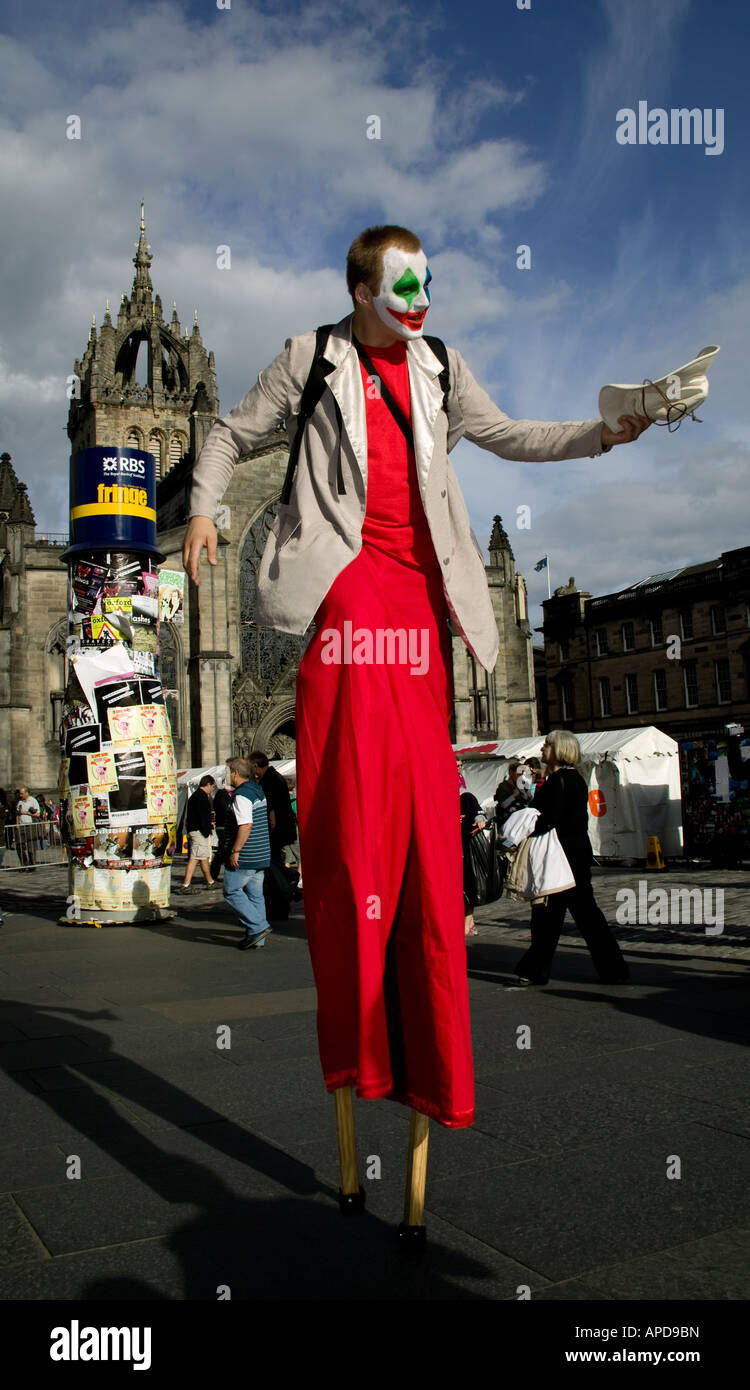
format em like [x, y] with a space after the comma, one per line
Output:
[378, 803]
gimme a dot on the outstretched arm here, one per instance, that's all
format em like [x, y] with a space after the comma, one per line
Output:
[532, 441]
[243, 429]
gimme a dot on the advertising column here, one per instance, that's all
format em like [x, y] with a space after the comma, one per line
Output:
[118, 780]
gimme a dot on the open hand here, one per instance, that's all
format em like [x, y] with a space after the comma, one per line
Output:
[201, 531]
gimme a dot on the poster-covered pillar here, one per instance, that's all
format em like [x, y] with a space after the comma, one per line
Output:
[118, 779]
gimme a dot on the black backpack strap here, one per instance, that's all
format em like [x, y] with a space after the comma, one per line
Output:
[313, 390]
[441, 352]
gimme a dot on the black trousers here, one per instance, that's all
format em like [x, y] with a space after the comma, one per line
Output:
[546, 925]
[277, 890]
[217, 862]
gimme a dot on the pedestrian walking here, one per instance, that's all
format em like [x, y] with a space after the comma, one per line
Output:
[282, 827]
[198, 826]
[562, 801]
[247, 852]
[220, 808]
[27, 814]
[472, 820]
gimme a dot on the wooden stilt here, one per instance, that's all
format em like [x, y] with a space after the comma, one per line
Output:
[351, 1196]
[412, 1230]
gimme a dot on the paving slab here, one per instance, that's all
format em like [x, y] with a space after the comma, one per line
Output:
[618, 1206]
[202, 1165]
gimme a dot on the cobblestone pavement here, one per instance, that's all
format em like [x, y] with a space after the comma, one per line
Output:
[183, 1080]
[682, 933]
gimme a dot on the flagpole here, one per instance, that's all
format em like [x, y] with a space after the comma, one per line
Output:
[549, 589]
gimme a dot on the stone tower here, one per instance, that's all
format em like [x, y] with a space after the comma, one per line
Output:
[501, 703]
[143, 383]
[32, 641]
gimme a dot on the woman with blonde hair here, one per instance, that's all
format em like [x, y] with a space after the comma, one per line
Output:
[562, 801]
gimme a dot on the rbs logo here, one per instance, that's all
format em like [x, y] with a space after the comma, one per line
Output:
[118, 465]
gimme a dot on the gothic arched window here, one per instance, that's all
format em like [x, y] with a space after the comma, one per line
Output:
[133, 439]
[264, 652]
[156, 447]
[55, 676]
[177, 448]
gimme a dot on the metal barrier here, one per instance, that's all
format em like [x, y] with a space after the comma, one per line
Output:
[32, 846]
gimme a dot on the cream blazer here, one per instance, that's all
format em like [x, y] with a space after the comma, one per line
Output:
[319, 532]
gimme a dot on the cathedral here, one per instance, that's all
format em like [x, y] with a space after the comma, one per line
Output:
[145, 383]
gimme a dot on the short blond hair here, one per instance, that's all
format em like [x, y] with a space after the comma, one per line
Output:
[565, 747]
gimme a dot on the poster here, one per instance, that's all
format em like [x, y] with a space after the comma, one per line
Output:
[144, 662]
[162, 798]
[113, 847]
[104, 631]
[124, 723]
[127, 804]
[159, 754]
[118, 603]
[82, 886]
[63, 785]
[95, 667]
[151, 692]
[82, 811]
[86, 585]
[145, 639]
[102, 774]
[108, 888]
[154, 721]
[101, 811]
[171, 596]
[85, 739]
[115, 694]
[151, 845]
[124, 567]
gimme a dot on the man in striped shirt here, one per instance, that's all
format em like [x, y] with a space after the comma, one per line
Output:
[247, 850]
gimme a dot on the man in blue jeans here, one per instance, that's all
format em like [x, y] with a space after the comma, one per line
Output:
[247, 850]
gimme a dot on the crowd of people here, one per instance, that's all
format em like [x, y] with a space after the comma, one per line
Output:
[240, 834]
[556, 790]
[19, 811]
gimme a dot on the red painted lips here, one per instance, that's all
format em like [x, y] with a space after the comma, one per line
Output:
[413, 320]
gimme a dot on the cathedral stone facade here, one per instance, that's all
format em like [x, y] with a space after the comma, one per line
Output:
[230, 684]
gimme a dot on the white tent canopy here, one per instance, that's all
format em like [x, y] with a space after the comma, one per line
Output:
[635, 771]
[189, 778]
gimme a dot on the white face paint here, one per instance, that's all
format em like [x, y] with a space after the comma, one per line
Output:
[404, 295]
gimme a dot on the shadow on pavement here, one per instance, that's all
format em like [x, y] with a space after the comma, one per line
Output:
[291, 1244]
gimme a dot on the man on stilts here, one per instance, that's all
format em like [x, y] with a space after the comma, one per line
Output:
[372, 545]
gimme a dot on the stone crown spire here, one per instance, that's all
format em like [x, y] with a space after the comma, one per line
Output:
[141, 383]
[142, 288]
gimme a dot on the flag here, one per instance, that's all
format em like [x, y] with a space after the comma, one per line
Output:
[542, 565]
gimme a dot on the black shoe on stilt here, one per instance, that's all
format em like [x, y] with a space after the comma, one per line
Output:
[412, 1240]
[351, 1203]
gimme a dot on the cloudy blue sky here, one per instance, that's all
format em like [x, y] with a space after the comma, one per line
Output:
[247, 126]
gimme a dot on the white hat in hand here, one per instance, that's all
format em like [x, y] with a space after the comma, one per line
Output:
[666, 401]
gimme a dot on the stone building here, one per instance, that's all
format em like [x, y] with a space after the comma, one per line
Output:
[143, 384]
[500, 704]
[230, 684]
[671, 650]
[33, 622]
